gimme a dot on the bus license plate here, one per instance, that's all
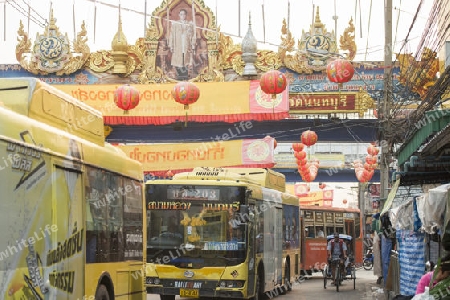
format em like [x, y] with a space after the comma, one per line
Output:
[189, 293]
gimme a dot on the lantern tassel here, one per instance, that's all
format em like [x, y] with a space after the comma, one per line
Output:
[186, 107]
[339, 94]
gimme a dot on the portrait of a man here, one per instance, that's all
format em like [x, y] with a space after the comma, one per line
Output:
[182, 41]
[182, 50]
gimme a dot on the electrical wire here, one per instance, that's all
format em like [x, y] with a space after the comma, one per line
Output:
[24, 12]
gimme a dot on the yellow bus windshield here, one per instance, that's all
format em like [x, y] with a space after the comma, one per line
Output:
[195, 224]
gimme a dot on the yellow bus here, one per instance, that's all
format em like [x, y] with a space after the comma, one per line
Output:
[221, 233]
[71, 209]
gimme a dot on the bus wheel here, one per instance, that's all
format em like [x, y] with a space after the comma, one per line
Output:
[102, 293]
[167, 297]
[259, 283]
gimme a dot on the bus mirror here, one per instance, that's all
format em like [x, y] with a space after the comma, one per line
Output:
[246, 214]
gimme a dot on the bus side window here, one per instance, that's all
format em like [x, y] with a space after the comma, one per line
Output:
[309, 232]
[330, 230]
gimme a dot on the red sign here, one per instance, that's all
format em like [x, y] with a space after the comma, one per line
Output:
[325, 102]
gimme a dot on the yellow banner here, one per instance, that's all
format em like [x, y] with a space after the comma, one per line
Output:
[155, 157]
[216, 98]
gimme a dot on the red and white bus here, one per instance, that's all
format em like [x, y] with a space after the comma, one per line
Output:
[317, 222]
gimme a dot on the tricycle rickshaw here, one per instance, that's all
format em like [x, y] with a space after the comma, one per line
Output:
[349, 265]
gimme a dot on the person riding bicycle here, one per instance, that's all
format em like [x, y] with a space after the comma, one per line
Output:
[337, 251]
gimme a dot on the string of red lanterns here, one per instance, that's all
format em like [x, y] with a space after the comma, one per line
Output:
[308, 169]
[364, 171]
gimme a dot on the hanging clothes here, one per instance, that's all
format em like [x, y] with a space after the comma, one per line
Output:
[386, 247]
[376, 252]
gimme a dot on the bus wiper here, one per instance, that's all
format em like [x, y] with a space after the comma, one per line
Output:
[158, 253]
[228, 259]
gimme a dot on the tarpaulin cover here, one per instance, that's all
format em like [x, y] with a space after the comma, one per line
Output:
[411, 255]
[431, 208]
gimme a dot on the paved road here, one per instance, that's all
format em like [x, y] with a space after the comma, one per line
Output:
[312, 289]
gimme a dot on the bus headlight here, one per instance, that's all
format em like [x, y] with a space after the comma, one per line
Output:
[231, 283]
[152, 280]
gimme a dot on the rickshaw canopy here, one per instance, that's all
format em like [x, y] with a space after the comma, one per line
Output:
[341, 237]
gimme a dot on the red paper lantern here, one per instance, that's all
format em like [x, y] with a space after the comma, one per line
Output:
[370, 159]
[126, 97]
[300, 155]
[301, 162]
[297, 147]
[273, 82]
[185, 93]
[309, 138]
[340, 71]
[373, 150]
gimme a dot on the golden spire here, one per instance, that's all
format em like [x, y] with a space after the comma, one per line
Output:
[119, 43]
[119, 47]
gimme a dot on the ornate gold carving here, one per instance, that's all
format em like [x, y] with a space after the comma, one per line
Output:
[315, 48]
[418, 75]
[207, 76]
[24, 44]
[268, 60]
[364, 102]
[317, 44]
[227, 52]
[101, 61]
[347, 41]
[51, 51]
[296, 62]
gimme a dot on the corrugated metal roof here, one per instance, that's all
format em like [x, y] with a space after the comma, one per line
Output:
[432, 123]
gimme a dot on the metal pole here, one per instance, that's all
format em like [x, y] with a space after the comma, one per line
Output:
[385, 107]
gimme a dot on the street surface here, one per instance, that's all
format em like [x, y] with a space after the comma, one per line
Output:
[312, 289]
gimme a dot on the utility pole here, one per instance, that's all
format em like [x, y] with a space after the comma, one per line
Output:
[385, 104]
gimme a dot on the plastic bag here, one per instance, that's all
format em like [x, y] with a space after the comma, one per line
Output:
[424, 296]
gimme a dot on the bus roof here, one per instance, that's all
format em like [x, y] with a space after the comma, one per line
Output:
[20, 129]
[260, 179]
[261, 176]
[40, 101]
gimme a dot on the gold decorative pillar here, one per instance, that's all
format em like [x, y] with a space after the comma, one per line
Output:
[119, 52]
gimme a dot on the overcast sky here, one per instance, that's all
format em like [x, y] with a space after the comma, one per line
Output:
[368, 21]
